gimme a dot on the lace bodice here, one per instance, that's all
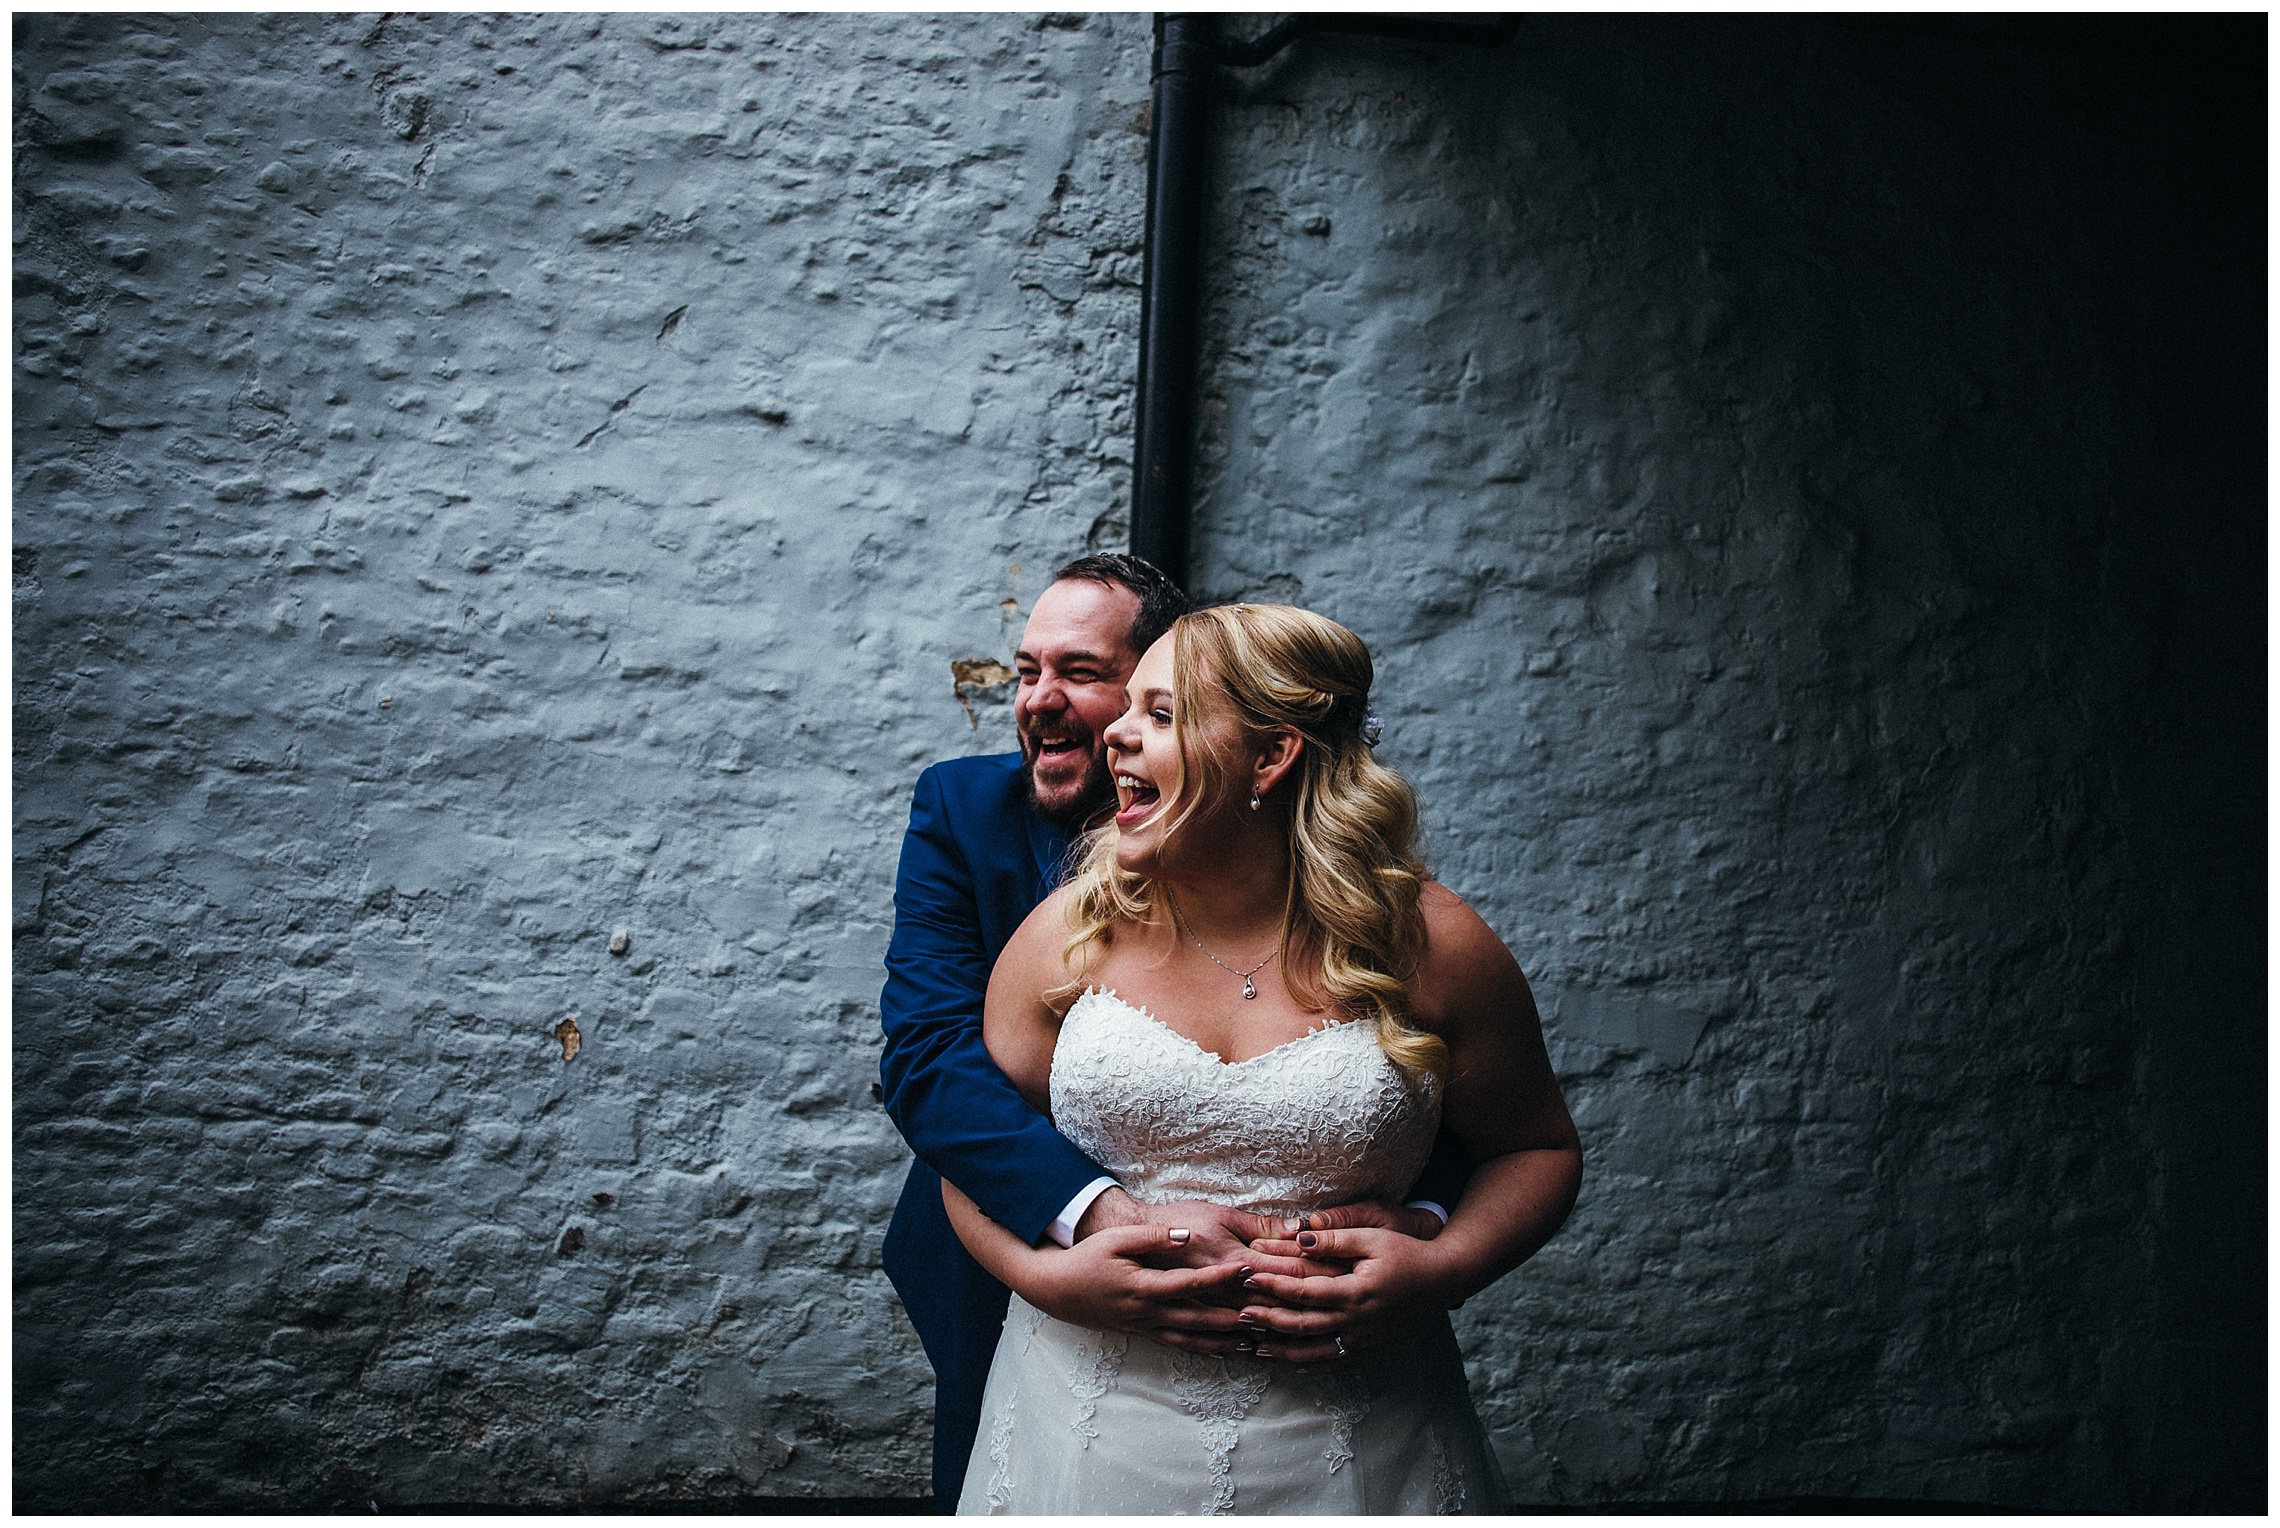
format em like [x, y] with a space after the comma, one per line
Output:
[1320, 1120]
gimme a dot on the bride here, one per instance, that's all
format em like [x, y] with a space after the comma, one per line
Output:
[1251, 993]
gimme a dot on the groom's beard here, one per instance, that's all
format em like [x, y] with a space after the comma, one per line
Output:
[1071, 806]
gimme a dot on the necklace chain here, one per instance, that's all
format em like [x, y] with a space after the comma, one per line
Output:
[1249, 990]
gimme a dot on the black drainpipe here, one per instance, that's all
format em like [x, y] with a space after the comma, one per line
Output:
[1171, 292]
[1188, 55]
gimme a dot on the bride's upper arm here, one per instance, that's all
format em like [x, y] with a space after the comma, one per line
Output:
[1501, 1094]
[1018, 1025]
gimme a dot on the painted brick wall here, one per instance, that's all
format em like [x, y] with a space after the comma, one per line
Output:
[486, 487]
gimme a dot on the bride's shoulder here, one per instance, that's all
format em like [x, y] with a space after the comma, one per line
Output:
[1043, 940]
[1460, 949]
[1448, 917]
[1046, 927]
[1035, 961]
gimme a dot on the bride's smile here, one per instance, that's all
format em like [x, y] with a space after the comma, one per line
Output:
[1143, 745]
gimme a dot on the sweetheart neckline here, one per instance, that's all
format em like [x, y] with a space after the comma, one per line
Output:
[1111, 995]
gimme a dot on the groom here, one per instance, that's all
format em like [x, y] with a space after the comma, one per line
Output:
[989, 838]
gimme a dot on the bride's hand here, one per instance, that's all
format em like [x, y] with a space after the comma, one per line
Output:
[1390, 1281]
[1214, 1237]
[1217, 1235]
[1114, 1281]
[1126, 1278]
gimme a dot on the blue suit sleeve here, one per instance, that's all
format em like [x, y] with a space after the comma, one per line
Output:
[943, 1092]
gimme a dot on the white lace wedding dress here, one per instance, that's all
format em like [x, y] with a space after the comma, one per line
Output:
[1078, 1421]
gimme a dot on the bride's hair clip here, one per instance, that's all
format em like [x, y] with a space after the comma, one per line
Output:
[1373, 728]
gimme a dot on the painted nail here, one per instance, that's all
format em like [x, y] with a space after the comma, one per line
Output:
[1179, 1235]
[1249, 1283]
[1248, 1319]
[1307, 1239]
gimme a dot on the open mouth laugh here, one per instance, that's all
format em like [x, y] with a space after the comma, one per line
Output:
[1135, 799]
[1057, 744]
[1068, 780]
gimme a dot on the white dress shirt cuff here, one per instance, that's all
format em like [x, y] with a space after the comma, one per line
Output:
[1414, 1204]
[1064, 1226]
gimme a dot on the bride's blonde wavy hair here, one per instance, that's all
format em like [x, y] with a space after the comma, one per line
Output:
[1351, 928]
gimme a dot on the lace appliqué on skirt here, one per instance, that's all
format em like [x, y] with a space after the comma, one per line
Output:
[1448, 1482]
[1348, 1402]
[1220, 1395]
[1001, 1452]
[1091, 1372]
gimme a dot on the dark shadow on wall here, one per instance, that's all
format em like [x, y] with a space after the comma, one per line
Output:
[2174, 119]
[1885, 206]
[2190, 308]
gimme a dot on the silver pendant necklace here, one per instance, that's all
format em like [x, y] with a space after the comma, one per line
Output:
[1248, 989]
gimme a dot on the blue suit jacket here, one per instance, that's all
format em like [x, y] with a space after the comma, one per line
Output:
[975, 862]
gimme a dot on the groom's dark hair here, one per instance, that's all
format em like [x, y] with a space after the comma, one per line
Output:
[1161, 601]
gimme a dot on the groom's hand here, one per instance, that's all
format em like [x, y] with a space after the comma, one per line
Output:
[1362, 1214]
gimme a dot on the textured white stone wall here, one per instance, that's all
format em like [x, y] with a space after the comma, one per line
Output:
[485, 486]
